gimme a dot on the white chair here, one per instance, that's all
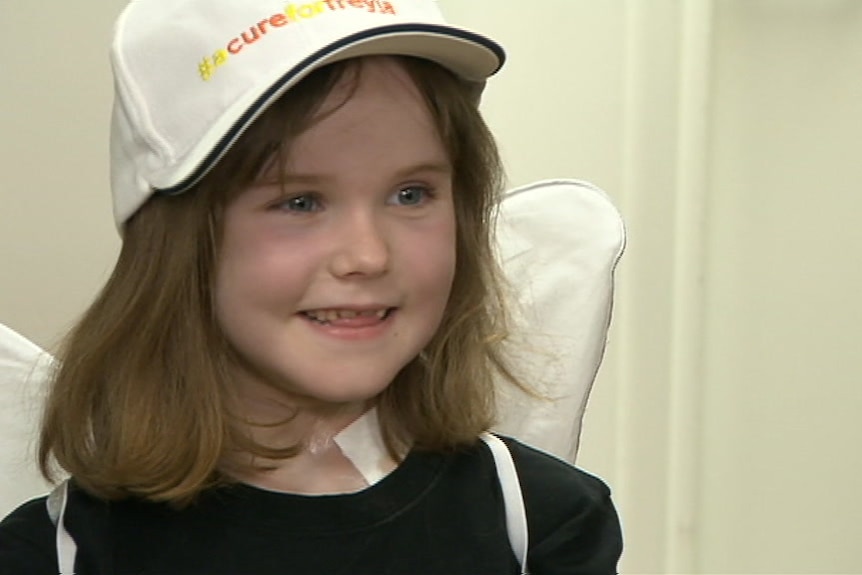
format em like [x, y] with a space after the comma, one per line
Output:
[559, 241]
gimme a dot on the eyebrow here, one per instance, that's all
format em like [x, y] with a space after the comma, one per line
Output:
[442, 168]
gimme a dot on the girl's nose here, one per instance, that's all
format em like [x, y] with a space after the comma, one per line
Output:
[363, 248]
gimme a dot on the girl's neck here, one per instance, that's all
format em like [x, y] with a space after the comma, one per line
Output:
[278, 420]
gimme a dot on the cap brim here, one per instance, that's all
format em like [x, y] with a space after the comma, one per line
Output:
[471, 56]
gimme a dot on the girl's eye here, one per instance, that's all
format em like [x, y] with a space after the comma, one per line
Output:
[411, 196]
[304, 203]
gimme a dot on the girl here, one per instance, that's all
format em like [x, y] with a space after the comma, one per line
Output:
[290, 369]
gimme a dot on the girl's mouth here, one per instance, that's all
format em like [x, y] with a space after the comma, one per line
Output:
[348, 317]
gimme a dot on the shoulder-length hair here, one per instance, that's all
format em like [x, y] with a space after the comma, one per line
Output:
[143, 402]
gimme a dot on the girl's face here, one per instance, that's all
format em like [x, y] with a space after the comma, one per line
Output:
[331, 281]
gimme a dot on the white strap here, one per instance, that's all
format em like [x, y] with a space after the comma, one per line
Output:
[516, 516]
[66, 547]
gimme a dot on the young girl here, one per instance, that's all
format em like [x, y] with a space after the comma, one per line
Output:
[290, 369]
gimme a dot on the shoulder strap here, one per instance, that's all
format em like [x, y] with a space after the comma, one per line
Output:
[516, 516]
[66, 547]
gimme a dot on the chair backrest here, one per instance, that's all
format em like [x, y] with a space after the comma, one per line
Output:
[560, 241]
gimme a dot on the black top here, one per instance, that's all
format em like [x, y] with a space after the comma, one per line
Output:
[435, 514]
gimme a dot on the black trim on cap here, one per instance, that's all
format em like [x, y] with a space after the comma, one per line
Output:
[242, 123]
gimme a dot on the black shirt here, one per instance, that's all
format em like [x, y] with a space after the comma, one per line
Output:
[436, 514]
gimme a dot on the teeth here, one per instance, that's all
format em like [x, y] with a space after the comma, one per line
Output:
[329, 315]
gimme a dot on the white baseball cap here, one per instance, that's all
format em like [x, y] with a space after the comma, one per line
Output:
[192, 75]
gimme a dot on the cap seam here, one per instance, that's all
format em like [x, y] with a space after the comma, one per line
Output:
[139, 111]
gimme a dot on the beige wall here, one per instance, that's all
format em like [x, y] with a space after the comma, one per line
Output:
[782, 386]
[56, 238]
[726, 415]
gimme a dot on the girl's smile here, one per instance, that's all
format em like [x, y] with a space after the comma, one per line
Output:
[351, 323]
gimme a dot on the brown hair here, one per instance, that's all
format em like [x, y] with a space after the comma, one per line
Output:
[142, 403]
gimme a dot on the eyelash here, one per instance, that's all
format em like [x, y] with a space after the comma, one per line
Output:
[288, 204]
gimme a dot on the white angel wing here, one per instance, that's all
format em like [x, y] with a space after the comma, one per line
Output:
[560, 241]
[24, 371]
